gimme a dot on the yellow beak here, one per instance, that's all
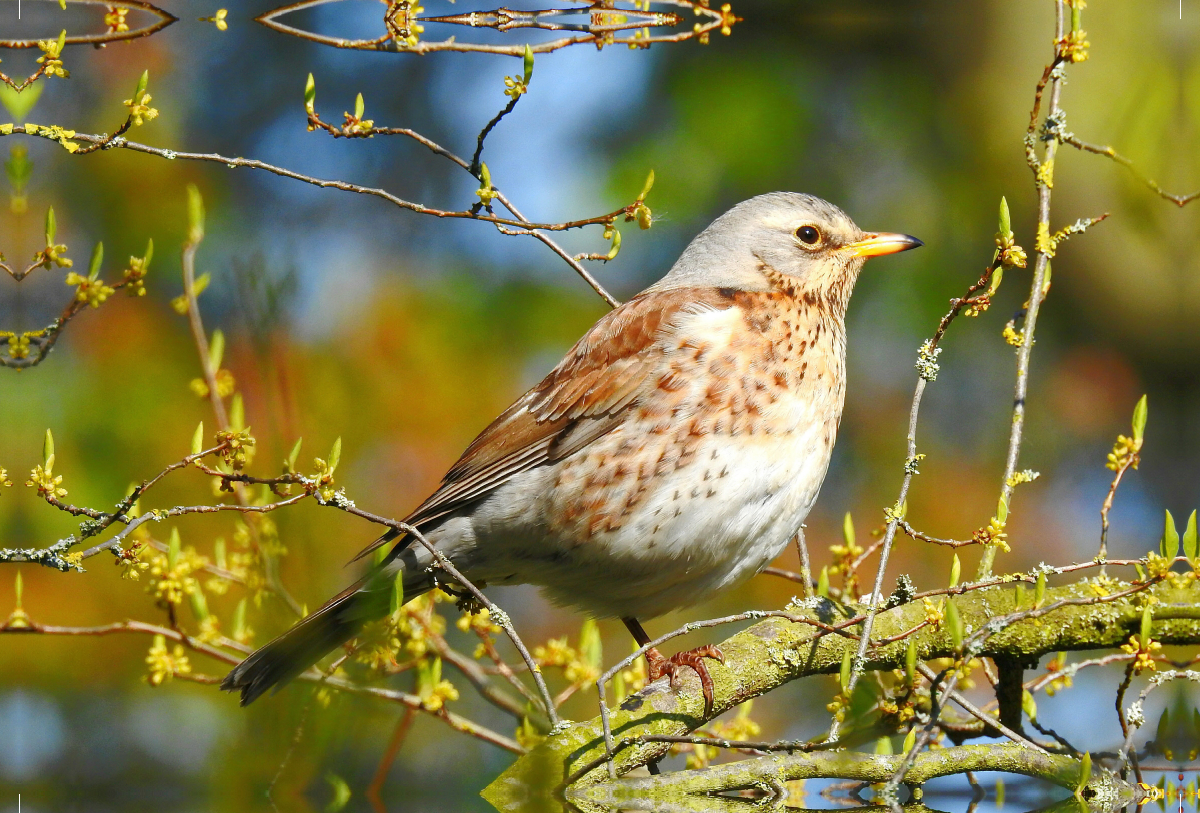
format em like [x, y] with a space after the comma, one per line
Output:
[874, 245]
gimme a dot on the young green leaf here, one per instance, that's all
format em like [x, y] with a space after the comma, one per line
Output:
[910, 740]
[335, 454]
[844, 675]
[591, 648]
[1140, 411]
[883, 747]
[97, 260]
[239, 621]
[994, 285]
[954, 624]
[1005, 218]
[143, 82]
[955, 571]
[201, 283]
[1169, 546]
[1002, 510]
[199, 604]
[619, 691]
[51, 226]
[397, 593]
[848, 531]
[1189, 540]
[1144, 631]
[1028, 705]
[293, 454]
[528, 64]
[823, 583]
[237, 413]
[616, 246]
[149, 254]
[195, 214]
[1039, 590]
[1163, 731]
[1085, 772]
[173, 548]
[360, 107]
[310, 93]
[198, 439]
[648, 186]
[910, 662]
[48, 451]
[216, 350]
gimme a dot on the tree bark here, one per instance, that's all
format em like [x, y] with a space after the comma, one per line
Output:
[775, 651]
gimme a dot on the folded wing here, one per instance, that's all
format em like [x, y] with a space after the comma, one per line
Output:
[586, 396]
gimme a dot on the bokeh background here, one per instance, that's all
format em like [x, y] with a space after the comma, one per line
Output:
[404, 335]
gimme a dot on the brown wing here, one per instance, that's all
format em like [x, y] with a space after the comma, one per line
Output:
[582, 399]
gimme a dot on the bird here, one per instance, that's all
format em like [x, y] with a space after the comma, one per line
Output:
[672, 454]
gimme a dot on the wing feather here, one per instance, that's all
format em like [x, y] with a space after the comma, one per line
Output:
[607, 372]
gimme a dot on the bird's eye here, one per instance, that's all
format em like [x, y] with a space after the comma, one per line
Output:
[808, 235]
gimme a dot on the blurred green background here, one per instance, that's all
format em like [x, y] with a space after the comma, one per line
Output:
[404, 335]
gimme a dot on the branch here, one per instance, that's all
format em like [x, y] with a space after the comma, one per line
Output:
[1104, 790]
[253, 163]
[1109, 152]
[605, 22]
[776, 651]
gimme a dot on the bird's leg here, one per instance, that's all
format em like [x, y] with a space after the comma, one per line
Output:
[657, 665]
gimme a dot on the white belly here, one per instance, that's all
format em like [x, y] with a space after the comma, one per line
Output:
[704, 527]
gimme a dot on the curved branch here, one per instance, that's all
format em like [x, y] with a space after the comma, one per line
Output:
[776, 651]
[1104, 790]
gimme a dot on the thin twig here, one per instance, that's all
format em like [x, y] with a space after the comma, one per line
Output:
[928, 357]
[375, 789]
[603, 29]
[1109, 152]
[987, 720]
[1043, 175]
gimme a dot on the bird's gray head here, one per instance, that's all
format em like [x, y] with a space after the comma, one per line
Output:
[782, 240]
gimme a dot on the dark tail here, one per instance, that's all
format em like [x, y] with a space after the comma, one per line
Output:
[339, 620]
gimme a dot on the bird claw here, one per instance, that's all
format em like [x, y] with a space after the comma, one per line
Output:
[658, 666]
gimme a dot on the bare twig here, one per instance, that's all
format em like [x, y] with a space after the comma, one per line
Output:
[1109, 152]
[605, 21]
[374, 790]
[164, 19]
[1043, 173]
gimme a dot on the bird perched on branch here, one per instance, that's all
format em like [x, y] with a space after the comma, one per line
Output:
[673, 453]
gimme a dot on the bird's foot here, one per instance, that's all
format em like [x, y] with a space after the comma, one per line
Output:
[658, 666]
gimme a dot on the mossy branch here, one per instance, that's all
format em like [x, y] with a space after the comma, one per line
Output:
[776, 651]
[1103, 791]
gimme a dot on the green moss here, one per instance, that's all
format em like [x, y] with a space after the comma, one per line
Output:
[776, 651]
